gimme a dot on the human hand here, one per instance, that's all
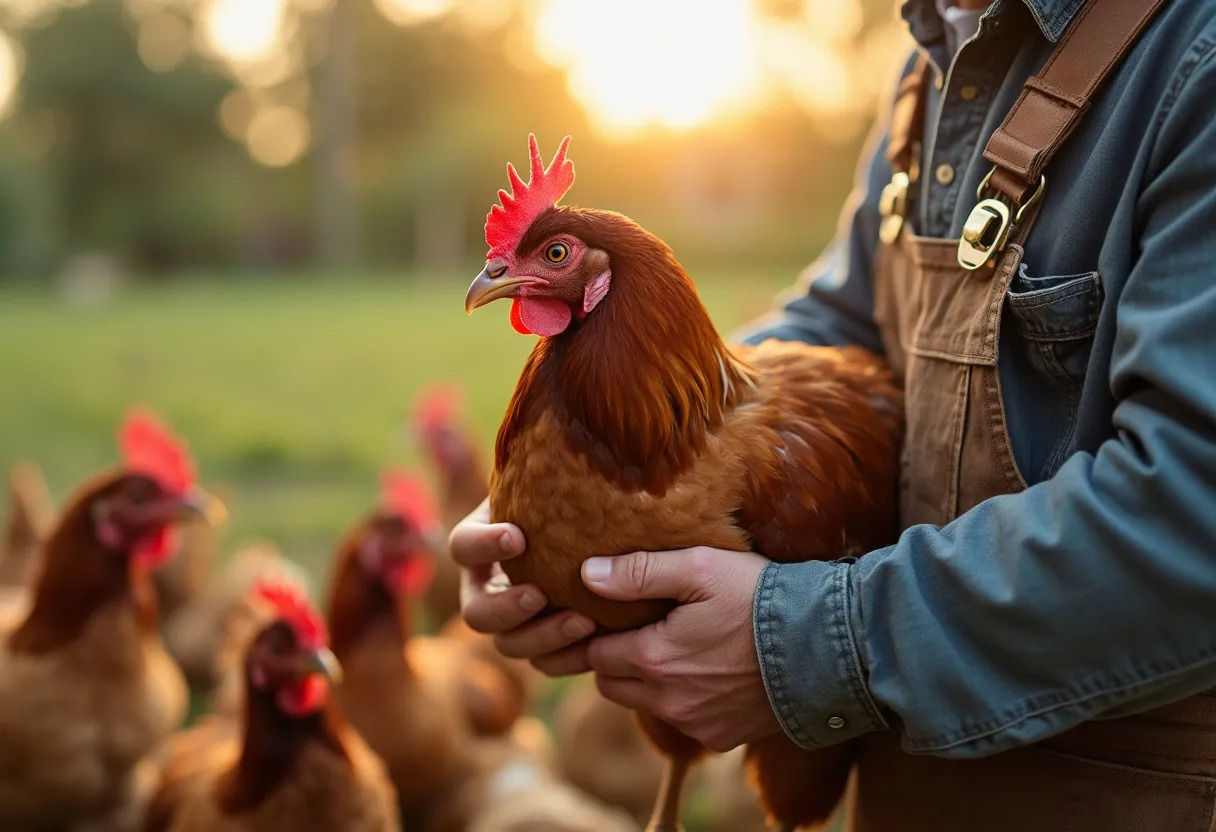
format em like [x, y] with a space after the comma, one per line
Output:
[697, 669]
[555, 644]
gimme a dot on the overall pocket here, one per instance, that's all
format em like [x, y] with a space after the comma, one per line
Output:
[1046, 348]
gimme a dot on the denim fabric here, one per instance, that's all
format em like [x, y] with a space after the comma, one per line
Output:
[1093, 592]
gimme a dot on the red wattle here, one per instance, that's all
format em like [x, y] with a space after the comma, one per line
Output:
[517, 320]
[153, 550]
[411, 577]
[304, 697]
[545, 317]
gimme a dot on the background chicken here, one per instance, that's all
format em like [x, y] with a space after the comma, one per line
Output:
[635, 427]
[601, 750]
[512, 786]
[193, 598]
[418, 701]
[290, 761]
[197, 631]
[26, 525]
[86, 688]
[451, 450]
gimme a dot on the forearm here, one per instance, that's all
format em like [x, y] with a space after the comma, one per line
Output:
[1084, 595]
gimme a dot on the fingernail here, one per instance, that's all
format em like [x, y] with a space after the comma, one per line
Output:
[507, 544]
[578, 627]
[597, 570]
[531, 602]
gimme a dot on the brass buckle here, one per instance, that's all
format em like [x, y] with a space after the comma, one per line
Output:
[893, 205]
[896, 199]
[987, 228]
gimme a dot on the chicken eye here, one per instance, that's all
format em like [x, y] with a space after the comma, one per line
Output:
[557, 252]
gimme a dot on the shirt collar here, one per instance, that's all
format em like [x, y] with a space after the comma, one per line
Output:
[1052, 17]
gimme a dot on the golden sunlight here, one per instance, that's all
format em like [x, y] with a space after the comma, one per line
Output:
[244, 30]
[10, 73]
[637, 63]
[405, 12]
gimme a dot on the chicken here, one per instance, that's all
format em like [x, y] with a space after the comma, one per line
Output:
[418, 701]
[451, 449]
[27, 524]
[453, 454]
[192, 603]
[289, 761]
[634, 427]
[195, 633]
[601, 750]
[513, 788]
[86, 687]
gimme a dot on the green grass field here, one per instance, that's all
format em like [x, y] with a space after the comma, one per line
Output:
[291, 392]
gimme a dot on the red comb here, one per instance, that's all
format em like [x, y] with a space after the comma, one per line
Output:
[506, 223]
[438, 406]
[291, 604]
[407, 496]
[149, 448]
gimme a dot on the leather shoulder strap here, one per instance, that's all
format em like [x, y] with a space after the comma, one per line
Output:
[908, 117]
[1053, 101]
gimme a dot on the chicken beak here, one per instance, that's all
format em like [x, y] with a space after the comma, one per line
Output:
[493, 283]
[199, 505]
[323, 662]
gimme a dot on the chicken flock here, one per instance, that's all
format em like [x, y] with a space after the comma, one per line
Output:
[633, 427]
[340, 717]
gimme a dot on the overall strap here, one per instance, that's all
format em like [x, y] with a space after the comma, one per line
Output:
[1053, 102]
[1051, 105]
[908, 117]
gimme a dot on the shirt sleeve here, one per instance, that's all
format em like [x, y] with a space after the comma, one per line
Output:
[833, 301]
[1090, 594]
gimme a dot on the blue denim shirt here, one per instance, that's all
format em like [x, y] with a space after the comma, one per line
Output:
[1093, 592]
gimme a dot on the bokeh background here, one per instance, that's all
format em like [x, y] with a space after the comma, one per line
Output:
[259, 217]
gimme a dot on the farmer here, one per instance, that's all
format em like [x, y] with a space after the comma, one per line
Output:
[1032, 245]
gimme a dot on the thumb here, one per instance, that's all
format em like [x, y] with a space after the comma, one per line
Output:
[681, 574]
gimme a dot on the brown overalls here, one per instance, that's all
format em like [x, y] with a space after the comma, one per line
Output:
[940, 323]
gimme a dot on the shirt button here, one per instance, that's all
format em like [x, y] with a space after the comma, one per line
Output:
[836, 722]
[944, 174]
[938, 82]
[968, 92]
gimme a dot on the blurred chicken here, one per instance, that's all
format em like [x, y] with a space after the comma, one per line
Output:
[603, 752]
[195, 633]
[86, 687]
[418, 701]
[512, 787]
[27, 524]
[451, 449]
[290, 761]
[730, 800]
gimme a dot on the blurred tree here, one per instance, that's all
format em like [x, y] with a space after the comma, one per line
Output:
[125, 142]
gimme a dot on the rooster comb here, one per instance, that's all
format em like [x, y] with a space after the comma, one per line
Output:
[438, 406]
[151, 449]
[507, 222]
[405, 495]
[290, 603]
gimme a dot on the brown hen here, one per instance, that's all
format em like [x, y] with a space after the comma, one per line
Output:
[289, 761]
[86, 688]
[634, 427]
[419, 702]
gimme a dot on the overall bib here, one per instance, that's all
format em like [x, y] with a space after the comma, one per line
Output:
[939, 304]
